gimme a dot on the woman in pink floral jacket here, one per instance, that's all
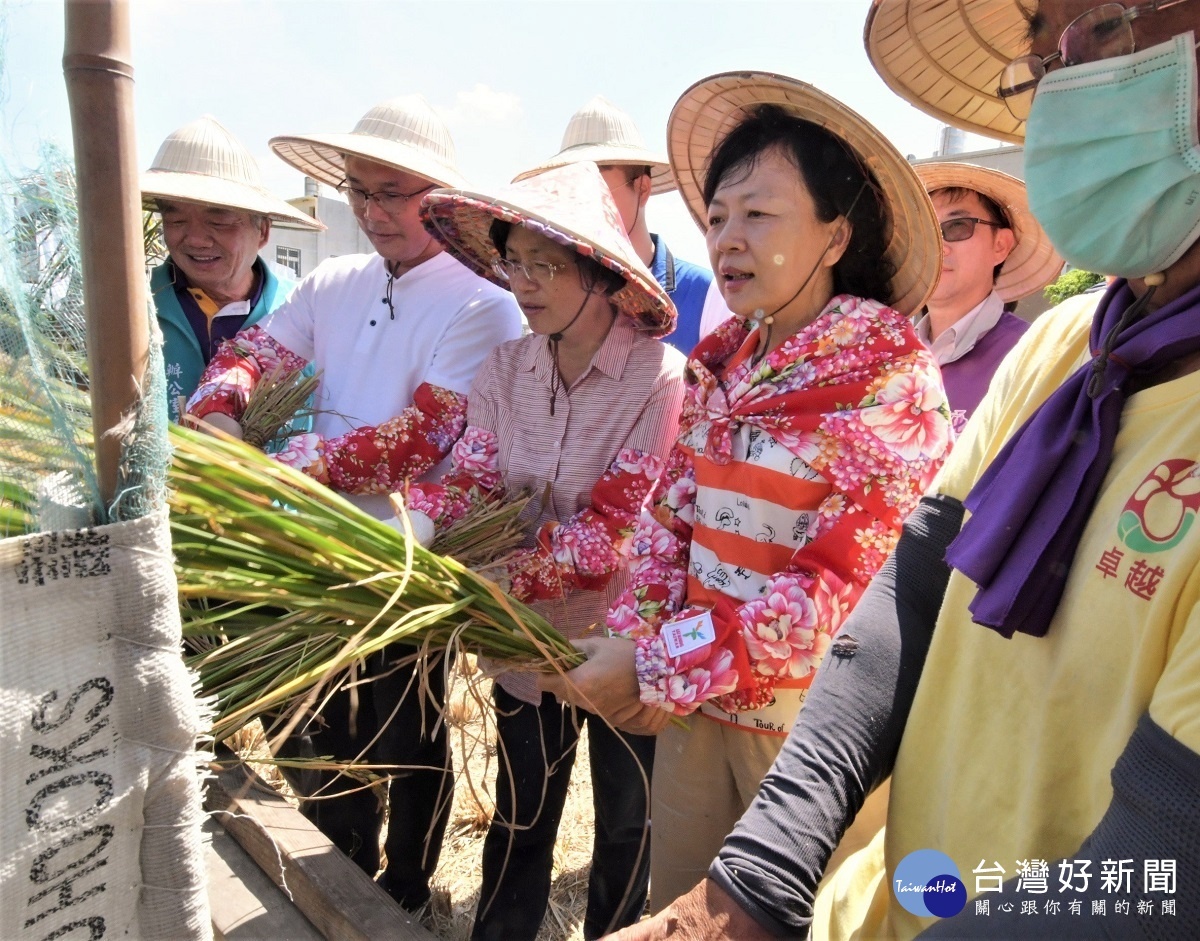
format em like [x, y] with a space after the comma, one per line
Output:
[814, 420]
[581, 413]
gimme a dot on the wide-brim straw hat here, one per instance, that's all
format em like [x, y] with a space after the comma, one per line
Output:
[946, 57]
[203, 163]
[603, 134]
[404, 133]
[1033, 262]
[570, 205]
[714, 106]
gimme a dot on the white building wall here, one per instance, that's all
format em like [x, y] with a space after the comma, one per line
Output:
[341, 236]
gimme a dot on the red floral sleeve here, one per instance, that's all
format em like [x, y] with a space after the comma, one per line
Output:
[236, 369]
[381, 459]
[584, 552]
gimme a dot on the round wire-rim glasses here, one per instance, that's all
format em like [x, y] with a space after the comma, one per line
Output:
[1101, 33]
[539, 272]
[388, 202]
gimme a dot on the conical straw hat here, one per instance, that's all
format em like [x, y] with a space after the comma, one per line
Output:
[604, 134]
[1033, 262]
[946, 57]
[203, 163]
[570, 205]
[714, 106]
[404, 133]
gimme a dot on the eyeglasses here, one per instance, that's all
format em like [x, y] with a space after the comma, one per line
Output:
[1101, 33]
[962, 228]
[539, 272]
[390, 203]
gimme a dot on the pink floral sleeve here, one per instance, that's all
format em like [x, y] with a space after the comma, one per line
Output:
[473, 478]
[584, 552]
[382, 459]
[236, 369]
[659, 552]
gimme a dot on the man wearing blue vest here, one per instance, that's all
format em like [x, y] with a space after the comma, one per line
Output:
[216, 217]
[606, 135]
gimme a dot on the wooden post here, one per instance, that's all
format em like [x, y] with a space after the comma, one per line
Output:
[99, 76]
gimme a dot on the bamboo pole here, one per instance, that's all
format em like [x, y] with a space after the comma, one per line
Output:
[99, 76]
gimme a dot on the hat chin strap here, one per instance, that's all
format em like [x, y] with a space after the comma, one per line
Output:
[554, 339]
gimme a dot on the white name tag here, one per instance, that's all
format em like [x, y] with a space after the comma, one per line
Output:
[684, 636]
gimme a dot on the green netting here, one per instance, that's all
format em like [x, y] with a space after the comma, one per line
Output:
[46, 451]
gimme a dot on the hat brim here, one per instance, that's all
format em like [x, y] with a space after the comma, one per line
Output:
[462, 221]
[711, 108]
[1033, 262]
[661, 180]
[946, 58]
[323, 157]
[224, 194]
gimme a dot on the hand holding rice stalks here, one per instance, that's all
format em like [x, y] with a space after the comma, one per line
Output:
[287, 584]
[281, 395]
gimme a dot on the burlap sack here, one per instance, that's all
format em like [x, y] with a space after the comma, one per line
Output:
[100, 808]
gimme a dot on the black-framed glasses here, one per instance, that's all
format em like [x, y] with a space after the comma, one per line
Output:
[539, 272]
[388, 201]
[1101, 33]
[961, 228]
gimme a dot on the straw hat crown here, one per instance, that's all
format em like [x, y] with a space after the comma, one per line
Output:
[404, 132]
[946, 57]
[205, 146]
[602, 133]
[1033, 263]
[202, 162]
[570, 205]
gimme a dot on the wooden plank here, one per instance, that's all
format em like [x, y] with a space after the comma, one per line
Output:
[330, 890]
[246, 905]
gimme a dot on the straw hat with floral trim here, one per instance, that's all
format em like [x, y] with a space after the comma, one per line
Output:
[570, 205]
[946, 57]
[1033, 262]
[203, 163]
[714, 106]
[404, 133]
[604, 134]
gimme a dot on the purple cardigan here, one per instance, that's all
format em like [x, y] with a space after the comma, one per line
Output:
[967, 378]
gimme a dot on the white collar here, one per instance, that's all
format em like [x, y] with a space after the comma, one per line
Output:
[957, 340]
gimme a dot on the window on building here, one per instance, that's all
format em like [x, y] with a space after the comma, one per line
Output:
[288, 257]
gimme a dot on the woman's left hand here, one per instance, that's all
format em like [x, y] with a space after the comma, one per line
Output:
[606, 683]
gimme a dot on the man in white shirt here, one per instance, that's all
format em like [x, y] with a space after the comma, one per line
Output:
[994, 253]
[397, 336]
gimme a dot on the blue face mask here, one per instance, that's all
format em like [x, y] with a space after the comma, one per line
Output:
[1112, 164]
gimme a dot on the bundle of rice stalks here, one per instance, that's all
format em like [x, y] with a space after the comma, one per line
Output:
[279, 396]
[287, 584]
[482, 539]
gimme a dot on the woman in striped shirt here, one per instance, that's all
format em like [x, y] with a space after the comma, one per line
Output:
[587, 404]
[813, 421]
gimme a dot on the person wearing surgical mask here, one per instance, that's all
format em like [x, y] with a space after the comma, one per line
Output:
[1029, 678]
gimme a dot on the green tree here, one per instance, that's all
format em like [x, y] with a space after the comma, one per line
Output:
[1073, 282]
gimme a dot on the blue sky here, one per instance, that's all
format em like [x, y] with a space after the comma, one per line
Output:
[506, 74]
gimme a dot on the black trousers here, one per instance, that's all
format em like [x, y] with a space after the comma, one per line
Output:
[537, 747]
[388, 710]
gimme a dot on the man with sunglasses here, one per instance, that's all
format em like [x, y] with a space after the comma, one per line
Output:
[993, 254]
[397, 336]
[1028, 673]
